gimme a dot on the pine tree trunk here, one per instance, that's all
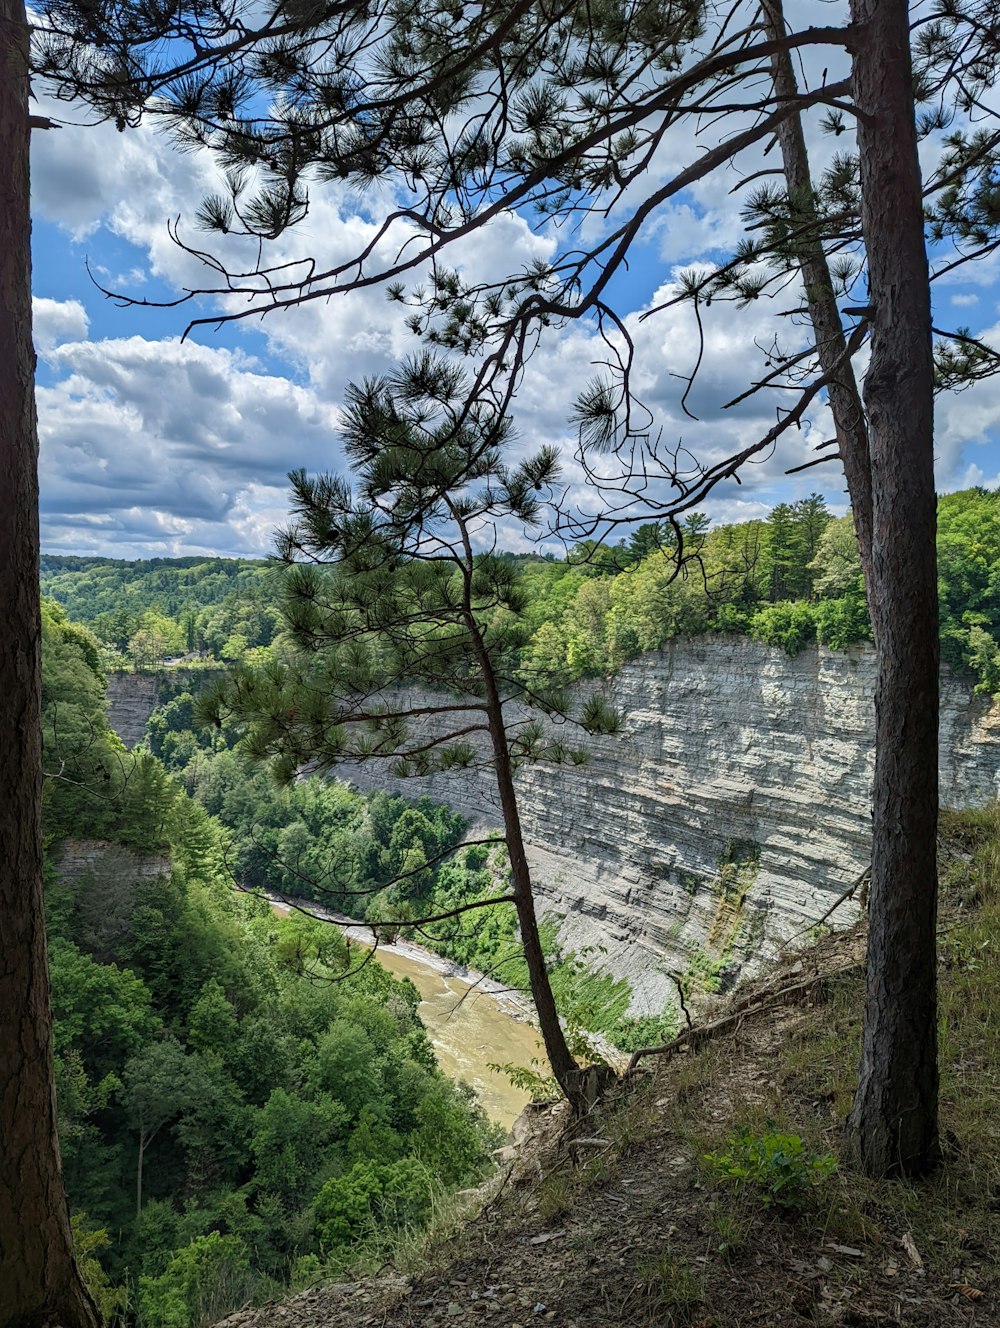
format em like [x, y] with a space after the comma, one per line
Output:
[39, 1281]
[831, 345]
[893, 1123]
[564, 1067]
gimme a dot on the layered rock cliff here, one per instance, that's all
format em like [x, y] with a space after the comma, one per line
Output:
[729, 815]
[132, 698]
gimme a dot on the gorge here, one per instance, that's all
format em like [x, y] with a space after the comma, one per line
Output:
[724, 820]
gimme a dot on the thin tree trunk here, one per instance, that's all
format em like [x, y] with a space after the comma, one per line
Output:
[39, 1281]
[893, 1123]
[831, 345]
[564, 1067]
[138, 1174]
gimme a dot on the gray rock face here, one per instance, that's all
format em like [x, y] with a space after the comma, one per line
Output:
[132, 697]
[99, 859]
[726, 819]
[105, 880]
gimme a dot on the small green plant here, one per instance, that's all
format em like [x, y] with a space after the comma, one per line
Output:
[554, 1196]
[778, 1167]
[732, 1225]
[541, 1086]
[673, 1288]
[738, 869]
[705, 973]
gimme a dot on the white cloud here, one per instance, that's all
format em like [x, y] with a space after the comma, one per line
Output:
[150, 445]
[171, 443]
[54, 321]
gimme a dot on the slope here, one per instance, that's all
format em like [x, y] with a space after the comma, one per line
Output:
[712, 1193]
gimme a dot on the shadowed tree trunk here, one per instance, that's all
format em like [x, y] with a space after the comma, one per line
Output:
[567, 1072]
[39, 1281]
[564, 1067]
[893, 1123]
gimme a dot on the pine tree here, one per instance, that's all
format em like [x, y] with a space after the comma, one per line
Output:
[560, 110]
[39, 1278]
[386, 590]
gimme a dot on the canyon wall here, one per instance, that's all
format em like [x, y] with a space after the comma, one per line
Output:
[728, 816]
[131, 700]
[132, 697]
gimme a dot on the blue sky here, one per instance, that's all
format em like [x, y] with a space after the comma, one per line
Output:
[151, 447]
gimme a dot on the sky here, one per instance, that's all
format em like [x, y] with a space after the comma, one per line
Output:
[156, 447]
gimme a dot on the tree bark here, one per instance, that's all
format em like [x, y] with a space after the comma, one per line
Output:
[564, 1067]
[40, 1285]
[893, 1123]
[568, 1074]
[849, 422]
[138, 1175]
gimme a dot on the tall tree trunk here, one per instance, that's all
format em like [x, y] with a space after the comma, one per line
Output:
[568, 1074]
[564, 1067]
[849, 422]
[893, 1123]
[138, 1173]
[39, 1281]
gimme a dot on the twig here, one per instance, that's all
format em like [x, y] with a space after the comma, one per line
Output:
[848, 894]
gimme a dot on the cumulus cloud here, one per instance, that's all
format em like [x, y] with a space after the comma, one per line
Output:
[57, 320]
[172, 443]
[153, 445]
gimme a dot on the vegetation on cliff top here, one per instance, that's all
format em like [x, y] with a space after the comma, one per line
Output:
[787, 580]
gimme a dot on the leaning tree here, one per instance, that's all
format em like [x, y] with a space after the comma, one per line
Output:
[402, 629]
[570, 111]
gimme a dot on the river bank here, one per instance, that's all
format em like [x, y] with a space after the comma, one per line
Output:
[473, 1021]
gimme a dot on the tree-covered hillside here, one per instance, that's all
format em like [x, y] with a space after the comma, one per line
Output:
[378, 857]
[787, 580]
[145, 611]
[235, 1111]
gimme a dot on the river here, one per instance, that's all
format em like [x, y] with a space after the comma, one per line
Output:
[469, 1025]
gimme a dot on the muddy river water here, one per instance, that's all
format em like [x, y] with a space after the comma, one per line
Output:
[471, 1027]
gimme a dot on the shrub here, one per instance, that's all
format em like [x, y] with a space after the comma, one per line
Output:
[790, 624]
[202, 1283]
[777, 1166]
[350, 1207]
[842, 622]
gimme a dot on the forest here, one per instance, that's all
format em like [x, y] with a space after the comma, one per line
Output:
[235, 1113]
[633, 257]
[789, 579]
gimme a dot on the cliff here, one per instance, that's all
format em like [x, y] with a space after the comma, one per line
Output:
[724, 821]
[727, 818]
[132, 698]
